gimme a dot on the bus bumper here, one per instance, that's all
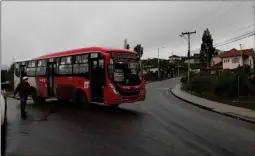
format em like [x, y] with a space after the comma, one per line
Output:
[126, 99]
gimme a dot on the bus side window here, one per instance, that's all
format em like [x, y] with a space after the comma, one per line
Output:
[41, 68]
[81, 66]
[31, 68]
[17, 69]
[65, 66]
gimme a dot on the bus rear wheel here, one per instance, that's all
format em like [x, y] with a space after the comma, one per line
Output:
[37, 99]
[82, 100]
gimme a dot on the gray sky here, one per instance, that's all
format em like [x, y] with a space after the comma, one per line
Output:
[30, 29]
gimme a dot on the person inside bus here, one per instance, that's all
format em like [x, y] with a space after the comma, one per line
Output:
[23, 89]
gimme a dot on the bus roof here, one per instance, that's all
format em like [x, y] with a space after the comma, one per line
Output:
[83, 50]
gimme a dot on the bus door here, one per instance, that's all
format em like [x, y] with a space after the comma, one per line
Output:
[22, 71]
[51, 83]
[97, 77]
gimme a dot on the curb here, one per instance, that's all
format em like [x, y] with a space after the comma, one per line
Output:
[209, 109]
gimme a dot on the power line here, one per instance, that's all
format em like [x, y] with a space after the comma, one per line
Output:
[231, 40]
[230, 34]
[236, 39]
[201, 18]
[245, 34]
[232, 7]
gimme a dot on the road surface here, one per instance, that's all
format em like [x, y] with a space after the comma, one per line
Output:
[161, 125]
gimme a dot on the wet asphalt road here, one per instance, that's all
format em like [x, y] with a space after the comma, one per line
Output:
[161, 125]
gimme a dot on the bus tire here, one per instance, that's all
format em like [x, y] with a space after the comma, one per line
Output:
[82, 100]
[114, 106]
[37, 99]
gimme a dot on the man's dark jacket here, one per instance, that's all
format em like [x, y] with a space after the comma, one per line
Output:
[23, 88]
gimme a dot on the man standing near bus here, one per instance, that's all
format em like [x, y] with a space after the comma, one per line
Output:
[24, 89]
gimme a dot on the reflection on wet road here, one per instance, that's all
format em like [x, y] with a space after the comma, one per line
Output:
[161, 125]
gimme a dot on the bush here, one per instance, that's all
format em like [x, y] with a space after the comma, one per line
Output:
[223, 84]
[227, 84]
[184, 79]
[151, 76]
[201, 84]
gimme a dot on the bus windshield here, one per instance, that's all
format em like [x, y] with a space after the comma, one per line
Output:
[125, 71]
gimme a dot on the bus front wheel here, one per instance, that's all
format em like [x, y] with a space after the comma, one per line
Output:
[114, 106]
[82, 100]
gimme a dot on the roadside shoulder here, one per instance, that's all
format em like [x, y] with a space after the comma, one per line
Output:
[232, 111]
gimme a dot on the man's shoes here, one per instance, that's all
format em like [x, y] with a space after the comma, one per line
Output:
[24, 115]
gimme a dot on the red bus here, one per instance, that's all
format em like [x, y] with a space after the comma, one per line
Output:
[88, 75]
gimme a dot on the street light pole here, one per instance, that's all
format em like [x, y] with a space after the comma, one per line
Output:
[178, 69]
[158, 65]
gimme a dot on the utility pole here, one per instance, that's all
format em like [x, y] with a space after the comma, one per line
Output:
[158, 64]
[125, 44]
[182, 35]
[140, 51]
[241, 61]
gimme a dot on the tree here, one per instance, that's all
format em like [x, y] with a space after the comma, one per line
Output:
[139, 49]
[126, 45]
[207, 50]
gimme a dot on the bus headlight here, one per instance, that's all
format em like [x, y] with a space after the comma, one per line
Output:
[140, 75]
[142, 91]
[114, 89]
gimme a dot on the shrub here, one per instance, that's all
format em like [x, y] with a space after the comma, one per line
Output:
[227, 84]
[184, 79]
[223, 84]
[200, 84]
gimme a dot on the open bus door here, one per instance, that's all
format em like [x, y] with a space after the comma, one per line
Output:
[22, 68]
[97, 64]
[51, 79]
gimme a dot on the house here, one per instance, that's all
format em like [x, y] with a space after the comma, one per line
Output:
[174, 58]
[232, 59]
[195, 59]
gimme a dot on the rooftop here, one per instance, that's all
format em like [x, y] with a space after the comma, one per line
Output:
[82, 50]
[234, 52]
[216, 66]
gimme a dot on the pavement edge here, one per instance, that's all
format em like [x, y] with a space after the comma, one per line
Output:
[209, 109]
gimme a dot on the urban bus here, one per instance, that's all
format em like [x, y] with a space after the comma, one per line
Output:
[98, 75]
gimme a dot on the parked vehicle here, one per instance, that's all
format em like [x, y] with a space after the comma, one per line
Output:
[3, 102]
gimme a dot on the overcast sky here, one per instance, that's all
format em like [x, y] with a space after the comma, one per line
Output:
[30, 29]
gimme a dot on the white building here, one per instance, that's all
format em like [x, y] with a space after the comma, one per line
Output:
[174, 58]
[195, 59]
[232, 59]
